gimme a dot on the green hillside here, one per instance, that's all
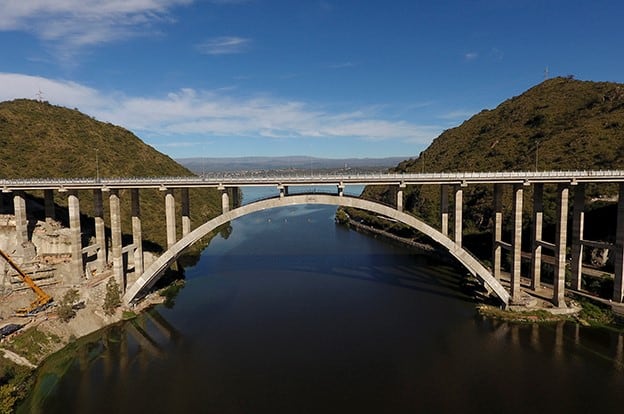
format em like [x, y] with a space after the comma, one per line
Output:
[560, 124]
[42, 140]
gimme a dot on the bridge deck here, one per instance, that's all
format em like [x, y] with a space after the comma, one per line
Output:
[217, 181]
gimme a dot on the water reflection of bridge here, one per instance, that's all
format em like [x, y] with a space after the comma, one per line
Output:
[447, 231]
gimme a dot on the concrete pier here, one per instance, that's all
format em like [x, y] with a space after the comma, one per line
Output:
[444, 210]
[516, 242]
[48, 201]
[137, 232]
[21, 220]
[100, 230]
[170, 217]
[116, 241]
[399, 197]
[458, 220]
[560, 250]
[186, 212]
[77, 266]
[225, 200]
[497, 231]
[283, 190]
[578, 225]
[618, 283]
[538, 220]
[340, 187]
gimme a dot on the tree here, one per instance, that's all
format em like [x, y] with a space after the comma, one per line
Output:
[112, 300]
[66, 309]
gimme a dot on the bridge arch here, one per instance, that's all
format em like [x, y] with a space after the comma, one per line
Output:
[153, 273]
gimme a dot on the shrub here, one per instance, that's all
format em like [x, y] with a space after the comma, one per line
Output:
[112, 300]
[66, 309]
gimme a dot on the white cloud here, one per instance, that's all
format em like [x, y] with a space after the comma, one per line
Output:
[188, 113]
[73, 24]
[223, 45]
[470, 56]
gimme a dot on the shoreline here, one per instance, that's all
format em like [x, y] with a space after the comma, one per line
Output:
[583, 309]
[45, 335]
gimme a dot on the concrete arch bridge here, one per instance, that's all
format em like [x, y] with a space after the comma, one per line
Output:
[451, 187]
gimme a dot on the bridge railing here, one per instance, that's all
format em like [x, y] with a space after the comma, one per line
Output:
[312, 179]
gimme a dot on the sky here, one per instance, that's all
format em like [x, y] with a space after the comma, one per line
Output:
[325, 78]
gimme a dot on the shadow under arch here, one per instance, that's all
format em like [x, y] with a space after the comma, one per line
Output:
[151, 275]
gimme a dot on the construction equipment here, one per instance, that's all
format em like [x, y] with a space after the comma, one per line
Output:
[43, 299]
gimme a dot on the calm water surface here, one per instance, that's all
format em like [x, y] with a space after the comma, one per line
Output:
[293, 314]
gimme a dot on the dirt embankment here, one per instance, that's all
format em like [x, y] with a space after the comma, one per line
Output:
[46, 261]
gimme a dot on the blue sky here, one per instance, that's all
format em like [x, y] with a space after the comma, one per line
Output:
[328, 78]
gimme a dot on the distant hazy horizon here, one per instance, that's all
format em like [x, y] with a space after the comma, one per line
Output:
[208, 164]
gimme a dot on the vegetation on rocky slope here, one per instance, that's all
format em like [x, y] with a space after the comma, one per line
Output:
[42, 140]
[560, 124]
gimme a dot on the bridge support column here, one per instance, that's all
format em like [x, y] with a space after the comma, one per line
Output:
[341, 188]
[283, 190]
[560, 251]
[137, 231]
[115, 213]
[186, 215]
[48, 200]
[538, 221]
[516, 241]
[170, 216]
[497, 231]
[444, 207]
[73, 205]
[399, 201]
[458, 221]
[1, 202]
[578, 224]
[225, 199]
[21, 220]
[100, 230]
[618, 283]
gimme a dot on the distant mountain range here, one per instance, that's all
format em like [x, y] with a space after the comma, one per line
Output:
[201, 165]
